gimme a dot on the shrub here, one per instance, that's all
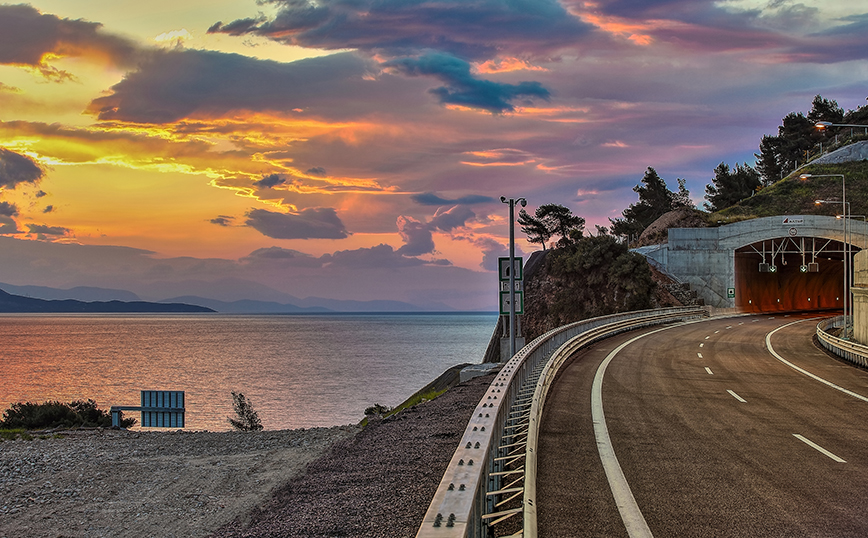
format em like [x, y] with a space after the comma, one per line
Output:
[247, 418]
[54, 414]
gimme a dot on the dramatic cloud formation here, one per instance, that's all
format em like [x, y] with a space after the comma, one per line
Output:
[171, 85]
[467, 28]
[429, 198]
[313, 223]
[464, 89]
[16, 169]
[307, 167]
[30, 38]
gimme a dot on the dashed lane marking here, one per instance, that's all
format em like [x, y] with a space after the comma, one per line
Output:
[736, 396]
[818, 448]
[707, 369]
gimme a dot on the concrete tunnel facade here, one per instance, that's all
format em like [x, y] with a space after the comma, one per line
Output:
[723, 264]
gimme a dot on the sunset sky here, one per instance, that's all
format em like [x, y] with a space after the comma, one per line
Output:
[358, 149]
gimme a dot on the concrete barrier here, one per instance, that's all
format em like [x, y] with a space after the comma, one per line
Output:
[486, 470]
[846, 349]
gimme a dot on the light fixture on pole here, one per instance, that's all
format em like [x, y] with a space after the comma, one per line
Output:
[846, 209]
[823, 125]
[512, 202]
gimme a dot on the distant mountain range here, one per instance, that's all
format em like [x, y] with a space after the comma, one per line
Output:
[286, 304]
[17, 304]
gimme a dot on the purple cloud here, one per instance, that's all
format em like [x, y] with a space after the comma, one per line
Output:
[176, 84]
[42, 229]
[27, 36]
[16, 169]
[311, 223]
[429, 198]
[416, 235]
[467, 28]
[462, 88]
[222, 220]
[8, 210]
[270, 181]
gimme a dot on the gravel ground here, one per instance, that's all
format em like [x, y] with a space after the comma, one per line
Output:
[342, 481]
[116, 483]
[378, 483]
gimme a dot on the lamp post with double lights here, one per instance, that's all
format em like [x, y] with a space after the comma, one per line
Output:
[512, 202]
[846, 209]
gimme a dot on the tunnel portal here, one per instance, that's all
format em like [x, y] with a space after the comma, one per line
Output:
[787, 274]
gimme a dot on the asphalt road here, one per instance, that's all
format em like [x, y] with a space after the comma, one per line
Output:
[703, 421]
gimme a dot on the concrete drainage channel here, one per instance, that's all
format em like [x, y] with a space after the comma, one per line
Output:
[495, 462]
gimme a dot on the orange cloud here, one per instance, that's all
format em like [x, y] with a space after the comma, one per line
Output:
[505, 65]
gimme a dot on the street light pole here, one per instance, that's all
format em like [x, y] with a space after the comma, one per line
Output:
[846, 210]
[512, 202]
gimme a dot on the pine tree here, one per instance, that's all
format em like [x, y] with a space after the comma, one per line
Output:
[247, 418]
[730, 186]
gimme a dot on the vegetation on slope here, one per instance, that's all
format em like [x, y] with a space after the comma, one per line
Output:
[795, 196]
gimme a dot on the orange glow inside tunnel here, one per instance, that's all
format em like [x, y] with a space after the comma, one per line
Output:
[788, 288]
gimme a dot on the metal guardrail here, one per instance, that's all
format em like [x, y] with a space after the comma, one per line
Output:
[846, 349]
[495, 462]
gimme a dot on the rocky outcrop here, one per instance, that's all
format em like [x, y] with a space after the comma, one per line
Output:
[853, 152]
[657, 232]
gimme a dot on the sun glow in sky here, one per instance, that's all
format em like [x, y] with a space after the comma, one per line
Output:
[241, 149]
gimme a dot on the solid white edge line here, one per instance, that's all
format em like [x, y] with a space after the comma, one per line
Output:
[632, 517]
[818, 448]
[736, 396]
[707, 369]
[802, 370]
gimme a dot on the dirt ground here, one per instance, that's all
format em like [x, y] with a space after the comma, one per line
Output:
[321, 482]
[117, 483]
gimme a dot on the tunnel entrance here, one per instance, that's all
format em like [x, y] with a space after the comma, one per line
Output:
[793, 273]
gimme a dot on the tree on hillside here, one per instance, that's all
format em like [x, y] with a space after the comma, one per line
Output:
[730, 186]
[655, 199]
[597, 276]
[797, 135]
[550, 220]
[535, 229]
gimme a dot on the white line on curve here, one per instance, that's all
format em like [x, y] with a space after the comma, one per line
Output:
[715, 332]
[736, 396]
[632, 517]
[802, 370]
[702, 345]
[700, 355]
[707, 337]
[818, 448]
[707, 369]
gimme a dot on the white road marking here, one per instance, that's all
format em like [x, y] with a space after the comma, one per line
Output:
[701, 345]
[728, 326]
[802, 370]
[632, 517]
[707, 369]
[818, 448]
[754, 320]
[715, 332]
[707, 337]
[741, 323]
[699, 355]
[736, 396]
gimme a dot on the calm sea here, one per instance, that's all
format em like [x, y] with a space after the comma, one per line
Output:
[298, 371]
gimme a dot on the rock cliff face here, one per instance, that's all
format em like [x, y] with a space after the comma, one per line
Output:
[553, 298]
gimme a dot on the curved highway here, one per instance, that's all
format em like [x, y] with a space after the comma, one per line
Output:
[713, 435]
